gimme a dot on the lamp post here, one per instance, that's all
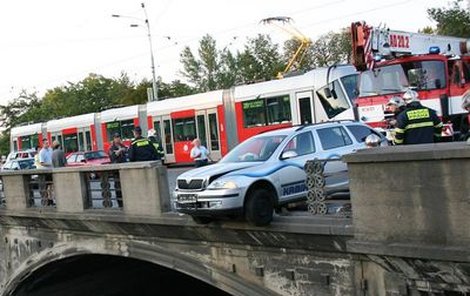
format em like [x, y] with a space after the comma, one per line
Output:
[149, 35]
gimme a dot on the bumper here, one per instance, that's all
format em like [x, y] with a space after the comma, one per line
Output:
[209, 202]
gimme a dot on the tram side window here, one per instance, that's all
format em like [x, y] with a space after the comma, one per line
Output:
[113, 128]
[88, 140]
[25, 143]
[333, 105]
[184, 129]
[15, 145]
[254, 113]
[278, 110]
[127, 128]
[70, 143]
[466, 71]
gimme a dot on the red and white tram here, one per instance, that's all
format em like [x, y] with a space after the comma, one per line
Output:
[221, 119]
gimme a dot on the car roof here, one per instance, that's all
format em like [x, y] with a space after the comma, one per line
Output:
[293, 129]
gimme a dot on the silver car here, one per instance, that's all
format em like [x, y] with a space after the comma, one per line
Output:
[266, 171]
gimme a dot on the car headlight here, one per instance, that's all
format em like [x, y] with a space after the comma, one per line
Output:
[222, 185]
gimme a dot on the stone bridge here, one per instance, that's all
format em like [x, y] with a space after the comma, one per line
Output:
[409, 234]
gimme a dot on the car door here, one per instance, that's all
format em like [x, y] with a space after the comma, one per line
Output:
[295, 153]
[335, 142]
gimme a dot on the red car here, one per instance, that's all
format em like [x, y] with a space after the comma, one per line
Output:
[88, 158]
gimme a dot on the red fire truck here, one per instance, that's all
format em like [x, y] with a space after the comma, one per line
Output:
[437, 67]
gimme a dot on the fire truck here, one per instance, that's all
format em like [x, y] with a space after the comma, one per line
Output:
[437, 67]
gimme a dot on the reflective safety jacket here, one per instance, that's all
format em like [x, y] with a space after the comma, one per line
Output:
[142, 150]
[417, 125]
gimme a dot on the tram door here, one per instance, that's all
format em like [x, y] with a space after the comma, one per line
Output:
[207, 125]
[57, 136]
[84, 139]
[305, 107]
[164, 133]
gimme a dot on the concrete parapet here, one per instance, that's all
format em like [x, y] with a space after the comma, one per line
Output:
[16, 191]
[418, 194]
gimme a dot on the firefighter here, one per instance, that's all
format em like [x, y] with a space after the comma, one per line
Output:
[158, 147]
[395, 106]
[141, 149]
[417, 124]
[465, 123]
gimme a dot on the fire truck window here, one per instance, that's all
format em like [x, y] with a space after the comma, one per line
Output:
[278, 110]
[254, 113]
[127, 128]
[333, 137]
[333, 105]
[70, 143]
[427, 75]
[184, 129]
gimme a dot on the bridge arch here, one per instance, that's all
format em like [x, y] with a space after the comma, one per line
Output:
[144, 253]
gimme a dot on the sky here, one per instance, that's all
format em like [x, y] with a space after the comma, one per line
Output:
[48, 43]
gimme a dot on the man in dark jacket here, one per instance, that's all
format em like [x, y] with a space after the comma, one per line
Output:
[141, 149]
[417, 124]
[117, 151]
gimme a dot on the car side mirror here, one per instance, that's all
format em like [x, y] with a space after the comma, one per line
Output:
[288, 154]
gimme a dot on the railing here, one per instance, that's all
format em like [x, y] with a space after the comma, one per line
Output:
[328, 188]
[136, 188]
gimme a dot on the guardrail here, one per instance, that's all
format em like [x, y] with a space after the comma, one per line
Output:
[328, 188]
[139, 188]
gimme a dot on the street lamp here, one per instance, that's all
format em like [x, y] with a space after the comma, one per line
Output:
[146, 21]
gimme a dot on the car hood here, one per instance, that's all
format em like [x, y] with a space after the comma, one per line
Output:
[216, 170]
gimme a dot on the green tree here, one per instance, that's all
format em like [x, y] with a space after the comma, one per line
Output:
[260, 60]
[332, 48]
[451, 21]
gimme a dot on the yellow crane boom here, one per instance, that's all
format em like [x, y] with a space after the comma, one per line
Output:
[285, 24]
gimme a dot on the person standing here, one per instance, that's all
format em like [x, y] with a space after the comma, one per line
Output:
[417, 124]
[141, 149]
[199, 153]
[45, 155]
[58, 156]
[158, 147]
[117, 151]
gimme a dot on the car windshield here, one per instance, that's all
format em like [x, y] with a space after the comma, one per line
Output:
[26, 164]
[422, 75]
[95, 155]
[254, 149]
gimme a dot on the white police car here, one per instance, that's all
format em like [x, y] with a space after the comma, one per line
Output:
[266, 171]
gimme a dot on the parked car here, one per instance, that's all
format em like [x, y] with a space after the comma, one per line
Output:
[19, 164]
[88, 158]
[21, 154]
[266, 171]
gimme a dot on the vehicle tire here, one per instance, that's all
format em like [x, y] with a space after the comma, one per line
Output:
[259, 207]
[201, 220]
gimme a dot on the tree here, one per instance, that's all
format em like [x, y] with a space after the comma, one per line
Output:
[332, 48]
[260, 60]
[203, 71]
[451, 21]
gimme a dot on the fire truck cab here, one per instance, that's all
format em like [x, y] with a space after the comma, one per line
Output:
[437, 67]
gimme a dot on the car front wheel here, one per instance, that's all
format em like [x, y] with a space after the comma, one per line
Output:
[259, 208]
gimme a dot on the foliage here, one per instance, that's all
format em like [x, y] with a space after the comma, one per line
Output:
[331, 48]
[451, 21]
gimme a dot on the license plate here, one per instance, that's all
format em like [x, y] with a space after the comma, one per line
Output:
[187, 198]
